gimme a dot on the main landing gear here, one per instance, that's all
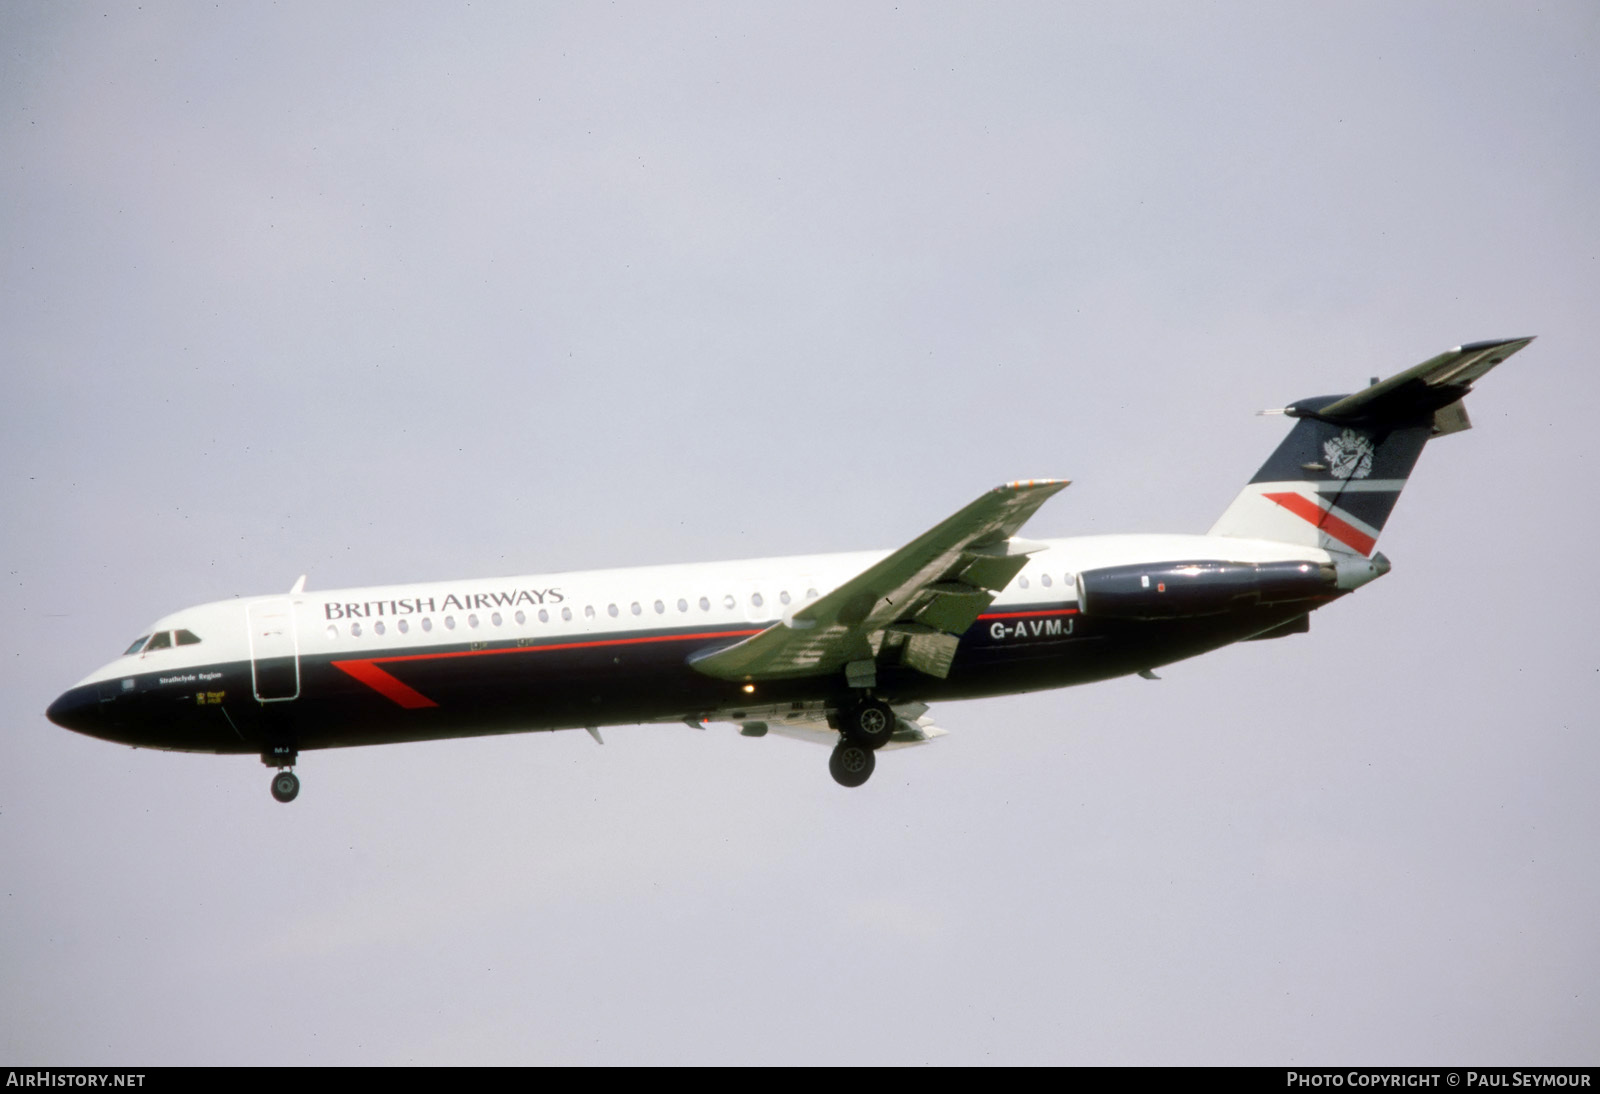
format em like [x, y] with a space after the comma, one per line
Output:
[285, 784]
[865, 726]
[851, 764]
[867, 722]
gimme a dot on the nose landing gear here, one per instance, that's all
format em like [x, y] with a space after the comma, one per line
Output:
[285, 784]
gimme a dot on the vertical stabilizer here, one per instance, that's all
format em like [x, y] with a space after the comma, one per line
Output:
[1335, 479]
[1328, 485]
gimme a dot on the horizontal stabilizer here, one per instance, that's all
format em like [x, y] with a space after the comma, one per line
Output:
[1422, 389]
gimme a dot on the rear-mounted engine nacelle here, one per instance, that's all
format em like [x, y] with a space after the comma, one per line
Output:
[1174, 590]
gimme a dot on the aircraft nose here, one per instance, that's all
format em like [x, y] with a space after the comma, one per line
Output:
[77, 709]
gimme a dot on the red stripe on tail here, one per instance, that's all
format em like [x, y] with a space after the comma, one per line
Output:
[1308, 510]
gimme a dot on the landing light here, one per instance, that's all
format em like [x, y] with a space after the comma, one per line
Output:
[749, 689]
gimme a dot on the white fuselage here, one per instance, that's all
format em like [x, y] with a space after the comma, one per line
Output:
[591, 604]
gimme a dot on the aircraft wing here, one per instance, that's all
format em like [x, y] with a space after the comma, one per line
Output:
[919, 599]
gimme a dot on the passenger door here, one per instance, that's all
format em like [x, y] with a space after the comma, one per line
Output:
[274, 650]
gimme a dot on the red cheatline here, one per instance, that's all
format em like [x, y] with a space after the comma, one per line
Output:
[1028, 615]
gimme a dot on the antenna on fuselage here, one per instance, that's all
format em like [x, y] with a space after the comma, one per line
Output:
[299, 585]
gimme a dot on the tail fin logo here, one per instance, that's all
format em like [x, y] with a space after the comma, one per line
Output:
[1349, 455]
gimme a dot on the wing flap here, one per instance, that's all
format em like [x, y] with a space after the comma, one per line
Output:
[952, 612]
[931, 653]
[992, 573]
[942, 580]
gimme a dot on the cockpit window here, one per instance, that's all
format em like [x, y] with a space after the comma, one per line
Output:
[159, 641]
[186, 638]
[138, 644]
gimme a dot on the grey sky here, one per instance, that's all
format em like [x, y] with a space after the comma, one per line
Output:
[385, 293]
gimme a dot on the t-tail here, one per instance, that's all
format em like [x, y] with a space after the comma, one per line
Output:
[1334, 480]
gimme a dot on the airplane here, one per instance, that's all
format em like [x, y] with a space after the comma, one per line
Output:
[845, 649]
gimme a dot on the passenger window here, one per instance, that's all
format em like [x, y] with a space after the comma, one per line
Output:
[634, 607]
[611, 610]
[355, 630]
[811, 594]
[566, 615]
[1022, 581]
[521, 617]
[138, 644]
[783, 596]
[588, 611]
[449, 622]
[683, 605]
[186, 638]
[1044, 579]
[159, 641]
[494, 617]
[377, 628]
[756, 600]
[427, 623]
[660, 608]
[333, 632]
[705, 604]
[544, 616]
[404, 626]
[729, 602]
[472, 619]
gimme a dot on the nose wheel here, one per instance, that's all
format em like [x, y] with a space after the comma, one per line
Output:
[285, 786]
